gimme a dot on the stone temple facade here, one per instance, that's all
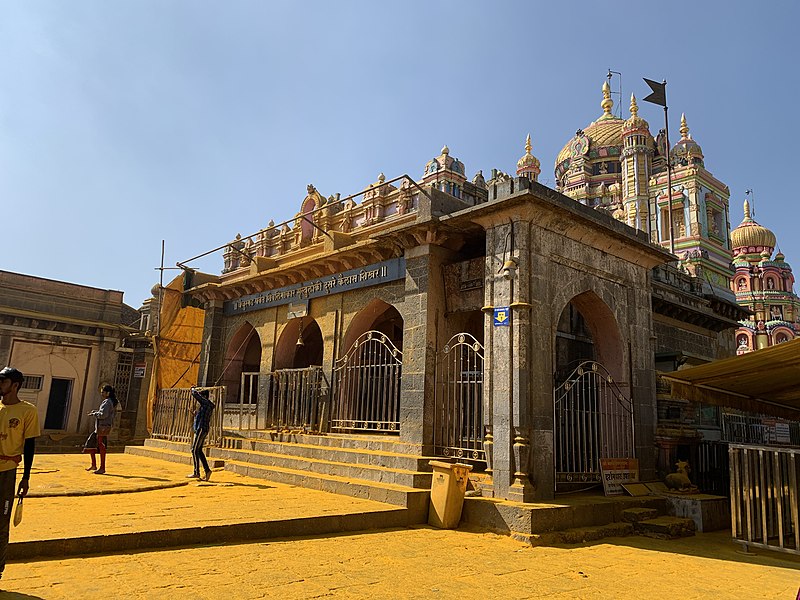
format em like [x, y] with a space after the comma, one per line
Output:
[495, 321]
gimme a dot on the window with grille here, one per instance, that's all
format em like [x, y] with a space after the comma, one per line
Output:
[32, 382]
[122, 380]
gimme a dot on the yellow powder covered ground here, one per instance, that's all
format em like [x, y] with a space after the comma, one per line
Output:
[416, 562]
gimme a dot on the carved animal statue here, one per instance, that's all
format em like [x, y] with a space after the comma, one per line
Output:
[680, 479]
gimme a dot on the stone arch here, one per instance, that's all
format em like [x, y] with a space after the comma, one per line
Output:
[377, 315]
[744, 340]
[300, 345]
[599, 322]
[782, 334]
[243, 355]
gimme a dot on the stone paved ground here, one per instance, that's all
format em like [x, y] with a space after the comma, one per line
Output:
[416, 562]
[419, 563]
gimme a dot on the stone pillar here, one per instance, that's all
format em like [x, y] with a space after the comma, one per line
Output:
[508, 286]
[542, 329]
[424, 288]
[642, 348]
[212, 353]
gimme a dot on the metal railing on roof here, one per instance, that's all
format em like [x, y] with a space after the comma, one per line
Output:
[305, 216]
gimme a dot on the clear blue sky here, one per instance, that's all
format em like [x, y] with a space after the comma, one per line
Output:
[124, 123]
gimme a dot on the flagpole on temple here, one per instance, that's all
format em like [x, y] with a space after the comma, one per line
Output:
[659, 96]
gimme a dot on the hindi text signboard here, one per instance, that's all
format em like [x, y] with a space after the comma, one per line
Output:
[615, 472]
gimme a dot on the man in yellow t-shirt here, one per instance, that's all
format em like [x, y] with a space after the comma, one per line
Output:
[19, 427]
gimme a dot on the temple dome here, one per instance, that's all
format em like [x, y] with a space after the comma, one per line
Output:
[635, 122]
[444, 162]
[606, 131]
[528, 162]
[750, 237]
[686, 147]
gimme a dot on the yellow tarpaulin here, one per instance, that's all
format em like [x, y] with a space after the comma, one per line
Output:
[177, 345]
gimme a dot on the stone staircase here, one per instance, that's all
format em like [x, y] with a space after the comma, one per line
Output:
[577, 519]
[650, 523]
[372, 467]
[384, 469]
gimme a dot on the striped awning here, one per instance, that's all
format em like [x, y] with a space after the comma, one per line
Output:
[764, 381]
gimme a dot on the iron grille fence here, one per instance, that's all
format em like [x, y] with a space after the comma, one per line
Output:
[458, 419]
[284, 399]
[751, 429]
[764, 497]
[173, 415]
[711, 470]
[246, 413]
[366, 386]
[593, 420]
[297, 399]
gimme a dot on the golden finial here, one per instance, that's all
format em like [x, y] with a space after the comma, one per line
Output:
[445, 150]
[747, 216]
[634, 107]
[528, 146]
[607, 104]
[684, 127]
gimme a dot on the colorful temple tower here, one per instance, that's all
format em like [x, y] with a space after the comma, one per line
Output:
[764, 286]
[617, 166]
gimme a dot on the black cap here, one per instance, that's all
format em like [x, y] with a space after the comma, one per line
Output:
[13, 374]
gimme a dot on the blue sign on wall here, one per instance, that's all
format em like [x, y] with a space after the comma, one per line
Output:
[501, 316]
[376, 274]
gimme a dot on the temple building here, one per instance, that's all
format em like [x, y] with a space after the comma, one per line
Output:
[495, 321]
[618, 166]
[764, 285]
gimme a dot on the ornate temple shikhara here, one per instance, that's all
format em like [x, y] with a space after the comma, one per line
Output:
[495, 320]
[763, 285]
[616, 165]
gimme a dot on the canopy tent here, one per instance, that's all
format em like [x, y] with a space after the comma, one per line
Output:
[764, 381]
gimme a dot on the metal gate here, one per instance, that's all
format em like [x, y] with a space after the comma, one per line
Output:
[593, 420]
[458, 419]
[296, 399]
[366, 386]
[244, 414]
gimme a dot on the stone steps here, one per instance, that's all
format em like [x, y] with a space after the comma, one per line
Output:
[378, 457]
[415, 500]
[363, 465]
[666, 528]
[576, 535]
[372, 482]
[170, 451]
[378, 443]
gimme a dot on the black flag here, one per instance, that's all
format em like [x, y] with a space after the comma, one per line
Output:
[659, 95]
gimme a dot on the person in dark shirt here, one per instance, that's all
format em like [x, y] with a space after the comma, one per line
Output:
[202, 423]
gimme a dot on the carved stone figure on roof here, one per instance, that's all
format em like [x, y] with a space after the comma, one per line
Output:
[405, 201]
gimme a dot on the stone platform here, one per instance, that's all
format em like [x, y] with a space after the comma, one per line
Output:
[567, 519]
[709, 513]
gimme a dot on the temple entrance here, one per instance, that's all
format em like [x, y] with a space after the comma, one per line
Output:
[458, 420]
[297, 386]
[242, 358]
[366, 379]
[593, 417]
[240, 378]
